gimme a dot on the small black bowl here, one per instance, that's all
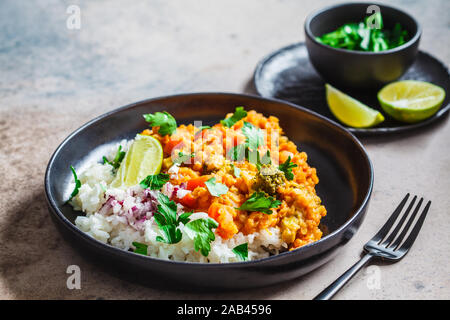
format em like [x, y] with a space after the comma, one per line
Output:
[357, 69]
[343, 166]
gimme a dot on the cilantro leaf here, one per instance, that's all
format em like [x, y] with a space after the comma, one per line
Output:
[167, 221]
[166, 123]
[184, 217]
[203, 235]
[154, 182]
[238, 114]
[77, 184]
[286, 167]
[241, 251]
[171, 232]
[259, 201]
[216, 189]
[167, 209]
[183, 158]
[117, 159]
[255, 136]
[106, 161]
[236, 171]
[141, 248]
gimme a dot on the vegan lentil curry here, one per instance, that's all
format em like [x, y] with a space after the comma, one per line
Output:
[242, 178]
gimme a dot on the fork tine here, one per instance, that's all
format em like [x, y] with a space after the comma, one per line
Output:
[399, 224]
[408, 225]
[384, 230]
[415, 231]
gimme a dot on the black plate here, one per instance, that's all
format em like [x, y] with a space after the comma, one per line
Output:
[287, 74]
[344, 170]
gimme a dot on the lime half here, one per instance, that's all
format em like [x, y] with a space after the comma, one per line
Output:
[143, 158]
[411, 101]
[350, 111]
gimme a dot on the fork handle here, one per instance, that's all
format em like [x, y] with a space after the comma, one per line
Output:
[333, 288]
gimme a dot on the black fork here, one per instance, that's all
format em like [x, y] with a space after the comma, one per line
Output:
[391, 248]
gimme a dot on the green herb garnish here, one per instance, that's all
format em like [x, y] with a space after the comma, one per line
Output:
[141, 248]
[155, 182]
[238, 114]
[167, 221]
[286, 167]
[117, 159]
[255, 136]
[201, 229]
[166, 123]
[214, 188]
[366, 36]
[77, 184]
[261, 202]
[241, 251]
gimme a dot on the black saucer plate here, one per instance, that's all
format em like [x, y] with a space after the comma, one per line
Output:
[287, 74]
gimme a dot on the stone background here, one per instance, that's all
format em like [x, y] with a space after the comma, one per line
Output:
[52, 80]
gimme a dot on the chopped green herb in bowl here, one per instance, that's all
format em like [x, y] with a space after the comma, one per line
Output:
[370, 35]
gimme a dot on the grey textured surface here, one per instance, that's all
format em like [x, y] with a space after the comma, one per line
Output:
[52, 80]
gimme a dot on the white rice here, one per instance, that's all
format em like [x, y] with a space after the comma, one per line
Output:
[120, 217]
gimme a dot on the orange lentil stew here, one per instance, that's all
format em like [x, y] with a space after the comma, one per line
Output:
[245, 173]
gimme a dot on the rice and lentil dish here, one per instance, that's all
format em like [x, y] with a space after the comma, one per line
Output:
[239, 190]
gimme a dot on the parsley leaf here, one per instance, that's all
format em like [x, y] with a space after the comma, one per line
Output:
[255, 136]
[166, 123]
[259, 201]
[77, 184]
[238, 114]
[171, 232]
[117, 159]
[154, 182]
[216, 189]
[141, 248]
[166, 219]
[184, 217]
[286, 167]
[183, 158]
[201, 229]
[241, 251]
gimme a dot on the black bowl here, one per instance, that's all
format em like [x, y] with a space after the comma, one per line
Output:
[356, 69]
[344, 170]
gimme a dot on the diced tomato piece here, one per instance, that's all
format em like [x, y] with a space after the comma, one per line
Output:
[172, 144]
[189, 201]
[197, 182]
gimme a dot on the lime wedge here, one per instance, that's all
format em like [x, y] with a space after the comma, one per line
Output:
[143, 158]
[350, 111]
[411, 101]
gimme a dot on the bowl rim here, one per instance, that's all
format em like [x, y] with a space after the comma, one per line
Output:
[406, 45]
[53, 206]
